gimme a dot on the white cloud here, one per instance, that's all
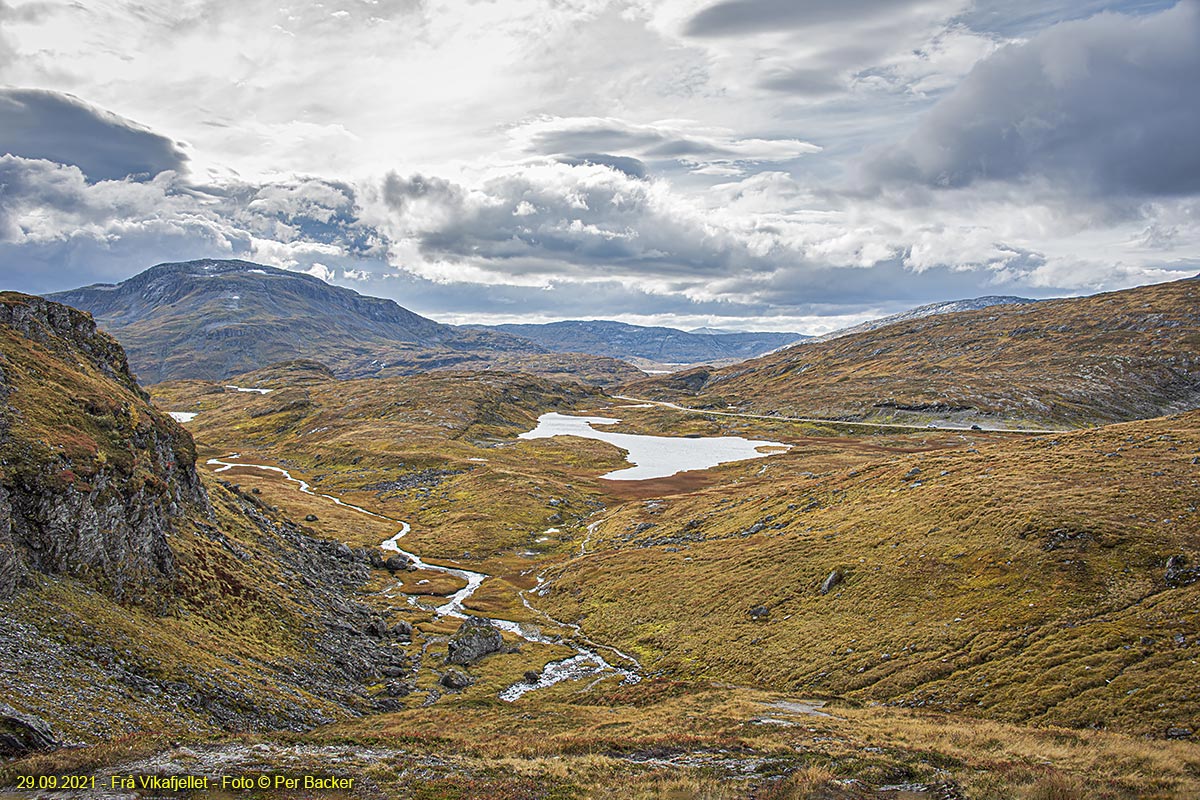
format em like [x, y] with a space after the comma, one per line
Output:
[621, 158]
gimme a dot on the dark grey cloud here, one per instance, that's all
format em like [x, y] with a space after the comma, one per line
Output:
[612, 136]
[602, 139]
[400, 192]
[739, 17]
[58, 127]
[1018, 18]
[1107, 105]
[633, 167]
[804, 81]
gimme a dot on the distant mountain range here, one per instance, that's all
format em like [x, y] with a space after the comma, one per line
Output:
[212, 319]
[661, 345]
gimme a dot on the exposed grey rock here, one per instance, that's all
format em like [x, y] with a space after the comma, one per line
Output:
[473, 640]
[912, 473]
[397, 689]
[403, 630]
[532, 676]
[21, 734]
[396, 563]
[832, 580]
[376, 628]
[759, 613]
[456, 680]
[310, 517]
[100, 520]
[1179, 733]
[1178, 573]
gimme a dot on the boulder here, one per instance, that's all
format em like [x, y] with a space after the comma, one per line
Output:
[403, 630]
[21, 734]
[396, 563]
[831, 581]
[473, 640]
[376, 628]
[532, 676]
[759, 613]
[456, 680]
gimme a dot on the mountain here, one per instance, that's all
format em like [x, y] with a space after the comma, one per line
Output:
[659, 345]
[1117, 356]
[213, 319]
[933, 309]
[138, 594]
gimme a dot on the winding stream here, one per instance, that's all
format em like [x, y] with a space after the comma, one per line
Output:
[586, 663]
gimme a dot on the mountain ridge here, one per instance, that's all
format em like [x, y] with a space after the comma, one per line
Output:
[212, 319]
[919, 312]
[1108, 357]
[651, 343]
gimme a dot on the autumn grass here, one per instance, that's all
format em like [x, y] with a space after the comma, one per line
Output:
[1010, 592]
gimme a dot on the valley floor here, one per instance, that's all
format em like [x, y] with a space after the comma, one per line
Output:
[1004, 621]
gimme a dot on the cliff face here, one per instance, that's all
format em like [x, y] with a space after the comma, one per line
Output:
[92, 477]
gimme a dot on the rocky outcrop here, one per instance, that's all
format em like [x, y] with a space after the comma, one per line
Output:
[831, 581]
[456, 680]
[1178, 573]
[66, 332]
[22, 734]
[93, 477]
[473, 640]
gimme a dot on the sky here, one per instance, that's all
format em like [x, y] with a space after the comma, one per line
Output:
[790, 165]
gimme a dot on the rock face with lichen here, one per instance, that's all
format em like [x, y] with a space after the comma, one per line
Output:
[92, 477]
[473, 640]
[23, 733]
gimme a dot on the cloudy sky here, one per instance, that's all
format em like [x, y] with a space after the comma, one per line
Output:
[764, 164]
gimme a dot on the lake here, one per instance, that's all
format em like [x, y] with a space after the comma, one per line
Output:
[653, 456]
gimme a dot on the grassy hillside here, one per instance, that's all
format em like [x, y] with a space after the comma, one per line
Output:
[1111, 357]
[1013, 616]
[1020, 580]
[140, 595]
